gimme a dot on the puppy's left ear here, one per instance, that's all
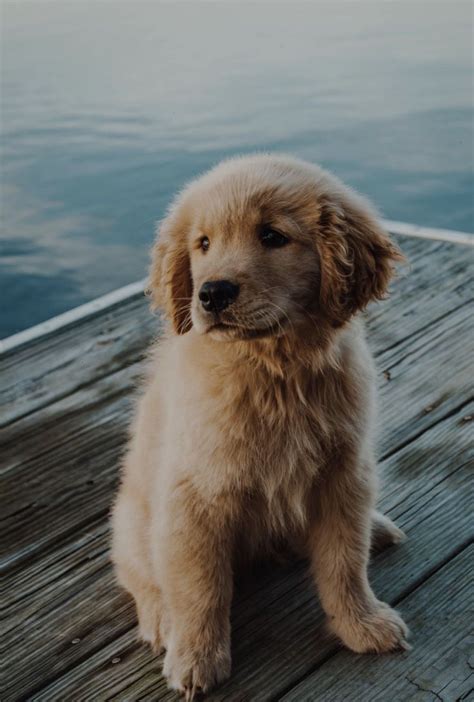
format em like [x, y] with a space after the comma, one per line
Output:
[357, 257]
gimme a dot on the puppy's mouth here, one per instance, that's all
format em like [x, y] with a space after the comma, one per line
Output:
[238, 331]
[240, 324]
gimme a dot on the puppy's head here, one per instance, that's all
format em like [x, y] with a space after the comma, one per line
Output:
[264, 245]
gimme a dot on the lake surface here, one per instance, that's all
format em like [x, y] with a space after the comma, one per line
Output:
[109, 107]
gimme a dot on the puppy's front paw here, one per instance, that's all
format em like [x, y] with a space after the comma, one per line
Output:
[190, 670]
[379, 631]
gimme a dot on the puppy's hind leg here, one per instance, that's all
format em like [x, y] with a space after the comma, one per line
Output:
[131, 559]
[384, 532]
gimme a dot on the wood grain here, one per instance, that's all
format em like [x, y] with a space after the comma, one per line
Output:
[438, 667]
[274, 611]
[69, 633]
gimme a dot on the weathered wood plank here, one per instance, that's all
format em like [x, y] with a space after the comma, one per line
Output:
[277, 612]
[424, 378]
[69, 462]
[82, 435]
[438, 666]
[60, 469]
[57, 365]
[400, 481]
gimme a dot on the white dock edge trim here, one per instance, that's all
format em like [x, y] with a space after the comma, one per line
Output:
[405, 229]
[101, 303]
[71, 316]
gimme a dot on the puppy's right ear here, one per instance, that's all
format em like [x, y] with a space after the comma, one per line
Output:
[170, 284]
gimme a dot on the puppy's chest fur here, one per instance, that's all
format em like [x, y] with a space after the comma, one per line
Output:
[276, 437]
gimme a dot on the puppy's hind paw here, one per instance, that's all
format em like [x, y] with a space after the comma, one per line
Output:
[384, 532]
[150, 636]
[149, 611]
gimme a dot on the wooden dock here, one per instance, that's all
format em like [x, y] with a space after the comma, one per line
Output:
[70, 634]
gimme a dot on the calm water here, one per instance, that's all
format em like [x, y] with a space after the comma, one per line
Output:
[109, 107]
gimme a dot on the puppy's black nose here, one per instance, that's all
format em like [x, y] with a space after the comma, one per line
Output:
[216, 295]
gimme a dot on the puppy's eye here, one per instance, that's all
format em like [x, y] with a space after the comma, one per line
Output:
[204, 243]
[272, 239]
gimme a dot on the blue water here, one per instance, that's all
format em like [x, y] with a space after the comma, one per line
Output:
[108, 108]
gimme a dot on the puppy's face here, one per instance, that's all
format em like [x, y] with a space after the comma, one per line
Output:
[254, 269]
[263, 246]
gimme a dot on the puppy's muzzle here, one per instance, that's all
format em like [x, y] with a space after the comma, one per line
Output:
[216, 295]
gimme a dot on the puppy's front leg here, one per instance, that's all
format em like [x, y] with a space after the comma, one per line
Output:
[194, 560]
[340, 544]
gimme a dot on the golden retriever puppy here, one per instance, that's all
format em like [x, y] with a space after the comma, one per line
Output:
[256, 422]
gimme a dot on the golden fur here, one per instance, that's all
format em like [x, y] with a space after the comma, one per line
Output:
[256, 423]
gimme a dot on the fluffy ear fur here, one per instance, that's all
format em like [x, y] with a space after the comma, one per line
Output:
[170, 284]
[357, 258]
